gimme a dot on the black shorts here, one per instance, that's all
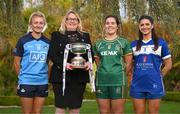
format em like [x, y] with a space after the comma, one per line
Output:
[32, 90]
[73, 95]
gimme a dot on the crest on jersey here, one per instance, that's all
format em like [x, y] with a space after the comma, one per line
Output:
[38, 46]
[109, 46]
[144, 59]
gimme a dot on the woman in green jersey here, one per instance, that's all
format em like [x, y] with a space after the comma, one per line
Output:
[113, 58]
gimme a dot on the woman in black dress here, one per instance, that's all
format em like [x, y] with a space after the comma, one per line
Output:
[75, 79]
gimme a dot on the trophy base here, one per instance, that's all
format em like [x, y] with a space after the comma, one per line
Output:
[78, 67]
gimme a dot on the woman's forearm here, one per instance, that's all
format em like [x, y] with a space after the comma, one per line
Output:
[167, 66]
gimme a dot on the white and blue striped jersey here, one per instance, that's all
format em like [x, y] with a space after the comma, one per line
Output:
[33, 53]
[147, 75]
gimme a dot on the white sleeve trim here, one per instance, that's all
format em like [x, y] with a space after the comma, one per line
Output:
[165, 57]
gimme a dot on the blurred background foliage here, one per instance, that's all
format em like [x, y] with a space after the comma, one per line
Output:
[14, 15]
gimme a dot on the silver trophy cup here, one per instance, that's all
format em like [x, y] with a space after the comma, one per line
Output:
[78, 49]
[78, 61]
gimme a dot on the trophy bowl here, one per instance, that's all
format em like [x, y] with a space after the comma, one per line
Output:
[78, 49]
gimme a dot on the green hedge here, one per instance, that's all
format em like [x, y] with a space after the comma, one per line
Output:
[89, 95]
[172, 96]
[9, 100]
[49, 100]
[14, 100]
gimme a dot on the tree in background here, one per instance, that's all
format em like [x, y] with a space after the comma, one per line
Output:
[14, 20]
[11, 26]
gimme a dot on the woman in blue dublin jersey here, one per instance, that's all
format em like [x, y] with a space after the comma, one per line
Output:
[149, 52]
[30, 62]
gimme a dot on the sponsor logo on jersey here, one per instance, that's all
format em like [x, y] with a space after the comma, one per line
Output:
[117, 47]
[144, 66]
[144, 49]
[105, 53]
[36, 56]
[147, 50]
[46, 47]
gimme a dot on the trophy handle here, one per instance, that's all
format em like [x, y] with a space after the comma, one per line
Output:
[91, 71]
[68, 46]
[88, 46]
[66, 52]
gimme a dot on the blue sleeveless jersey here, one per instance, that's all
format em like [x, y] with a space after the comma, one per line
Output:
[147, 75]
[33, 53]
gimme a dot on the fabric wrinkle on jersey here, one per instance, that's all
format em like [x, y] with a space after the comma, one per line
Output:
[147, 75]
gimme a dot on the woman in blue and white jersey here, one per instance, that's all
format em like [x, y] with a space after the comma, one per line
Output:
[149, 53]
[30, 61]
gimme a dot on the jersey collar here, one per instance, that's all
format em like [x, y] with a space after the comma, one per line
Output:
[35, 38]
[146, 41]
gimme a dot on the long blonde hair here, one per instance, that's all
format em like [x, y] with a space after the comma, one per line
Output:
[38, 14]
[63, 28]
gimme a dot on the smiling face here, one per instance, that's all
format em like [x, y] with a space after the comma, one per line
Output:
[145, 26]
[72, 22]
[37, 24]
[111, 26]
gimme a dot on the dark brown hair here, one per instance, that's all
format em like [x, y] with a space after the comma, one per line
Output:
[154, 36]
[112, 16]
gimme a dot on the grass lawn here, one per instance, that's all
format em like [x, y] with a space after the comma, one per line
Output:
[90, 107]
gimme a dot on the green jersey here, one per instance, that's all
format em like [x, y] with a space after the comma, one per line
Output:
[111, 69]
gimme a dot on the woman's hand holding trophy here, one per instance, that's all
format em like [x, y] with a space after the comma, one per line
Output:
[69, 66]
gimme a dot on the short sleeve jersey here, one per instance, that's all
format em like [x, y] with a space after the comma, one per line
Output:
[147, 66]
[33, 53]
[111, 69]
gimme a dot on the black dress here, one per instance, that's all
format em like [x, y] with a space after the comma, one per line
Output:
[76, 79]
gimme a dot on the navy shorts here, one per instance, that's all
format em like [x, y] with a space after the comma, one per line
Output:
[32, 90]
[146, 95]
